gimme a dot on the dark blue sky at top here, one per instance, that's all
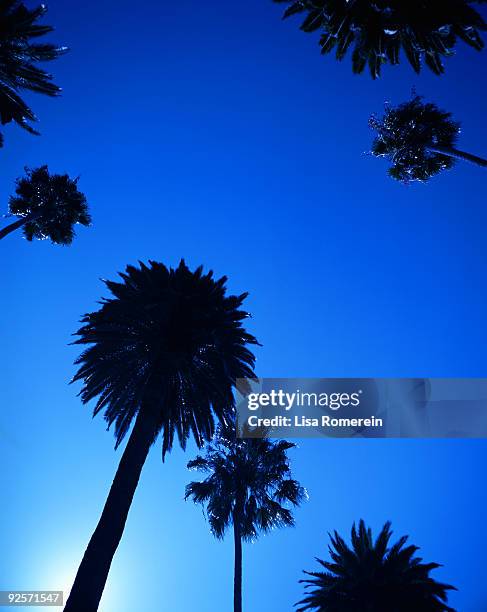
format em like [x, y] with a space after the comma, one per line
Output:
[217, 133]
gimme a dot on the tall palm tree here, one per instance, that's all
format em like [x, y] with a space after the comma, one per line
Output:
[48, 206]
[164, 354]
[374, 577]
[419, 139]
[19, 54]
[426, 30]
[249, 486]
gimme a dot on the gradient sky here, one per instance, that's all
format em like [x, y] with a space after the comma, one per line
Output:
[217, 133]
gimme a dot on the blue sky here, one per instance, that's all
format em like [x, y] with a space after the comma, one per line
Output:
[217, 133]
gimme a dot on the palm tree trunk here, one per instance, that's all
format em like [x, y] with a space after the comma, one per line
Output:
[237, 578]
[456, 154]
[93, 571]
[5, 231]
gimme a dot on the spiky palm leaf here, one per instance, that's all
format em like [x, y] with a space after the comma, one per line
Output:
[48, 206]
[426, 30]
[371, 576]
[248, 480]
[19, 55]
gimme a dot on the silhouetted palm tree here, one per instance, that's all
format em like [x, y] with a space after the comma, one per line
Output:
[48, 207]
[419, 139]
[165, 352]
[377, 30]
[19, 54]
[374, 577]
[248, 486]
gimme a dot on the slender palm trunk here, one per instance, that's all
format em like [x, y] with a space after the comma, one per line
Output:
[5, 231]
[93, 572]
[237, 579]
[456, 154]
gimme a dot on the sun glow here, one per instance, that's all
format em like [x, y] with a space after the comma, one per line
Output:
[58, 573]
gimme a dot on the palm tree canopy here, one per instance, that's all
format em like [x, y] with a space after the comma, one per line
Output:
[405, 135]
[19, 54]
[374, 577]
[52, 203]
[248, 478]
[426, 30]
[169, 342]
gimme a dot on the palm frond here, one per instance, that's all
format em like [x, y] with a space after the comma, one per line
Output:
[20, 54]
[386, 578]
[427, 30]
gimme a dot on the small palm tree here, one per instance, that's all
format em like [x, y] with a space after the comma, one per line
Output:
[419, 139]
[248, 486]
[426, 30]
[48, 207]
[374, 577]
[19, 54]
[163, 354]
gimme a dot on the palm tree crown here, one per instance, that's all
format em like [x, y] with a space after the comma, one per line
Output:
[248, 481]
[48, 206]
[19, 54]
[374, 577]
[170, 343]
[427, 30]
[410, 134]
